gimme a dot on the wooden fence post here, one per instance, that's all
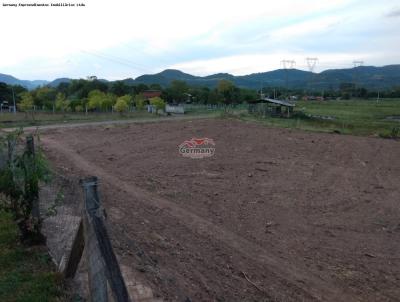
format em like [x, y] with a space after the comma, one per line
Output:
[96, 270]
[33, 183]
[75, 255]
[102, 262]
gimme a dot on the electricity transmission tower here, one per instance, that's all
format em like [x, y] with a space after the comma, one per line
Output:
[311, 63]
[288, 64]
[356, 73]
[358, 63]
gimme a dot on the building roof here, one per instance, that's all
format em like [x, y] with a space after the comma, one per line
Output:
[279, 102]
[151, 93]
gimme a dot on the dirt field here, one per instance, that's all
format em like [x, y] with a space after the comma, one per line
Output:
[274, 215]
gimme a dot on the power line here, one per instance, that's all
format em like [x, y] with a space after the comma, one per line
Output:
[118, 60]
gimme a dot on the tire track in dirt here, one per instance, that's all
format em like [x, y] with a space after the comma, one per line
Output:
[320, 289]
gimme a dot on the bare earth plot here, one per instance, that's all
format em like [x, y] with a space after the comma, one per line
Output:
[275, 215]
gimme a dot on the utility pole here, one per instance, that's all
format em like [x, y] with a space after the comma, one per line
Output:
[15, 107]
[288, 64]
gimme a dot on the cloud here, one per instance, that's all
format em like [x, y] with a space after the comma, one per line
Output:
[128, 38]
[259, 62]
[394, 13]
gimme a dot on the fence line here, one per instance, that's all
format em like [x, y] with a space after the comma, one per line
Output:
[103, 269]
[106, 282]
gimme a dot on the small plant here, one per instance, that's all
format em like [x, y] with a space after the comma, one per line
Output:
[52, 210]
[395, 133]
[19, 181]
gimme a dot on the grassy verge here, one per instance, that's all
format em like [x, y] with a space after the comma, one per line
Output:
[10, 120]
[356, 117]
[26, 274]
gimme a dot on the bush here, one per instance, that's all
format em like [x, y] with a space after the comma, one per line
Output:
[393, 134]
[121, 105]
[19, 180]
[158, 103]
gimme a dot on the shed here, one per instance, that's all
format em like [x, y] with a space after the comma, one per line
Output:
[272, 107]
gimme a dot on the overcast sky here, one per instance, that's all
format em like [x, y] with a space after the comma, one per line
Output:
[116, 39]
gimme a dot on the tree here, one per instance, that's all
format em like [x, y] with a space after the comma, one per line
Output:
[44, 97]
[109, 101]
[158, 103]
[228, 90]
[61, 102]
[215, 98]
[5, 93]
[155, 87]
[119, 88]
[248, 95]
[177, 90]
[122, 104]
[139, 101]
[140, 88]
[96, 99]
[26, 103]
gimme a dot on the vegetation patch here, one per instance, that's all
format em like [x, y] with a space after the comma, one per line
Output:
[356, 117]
[27, 273]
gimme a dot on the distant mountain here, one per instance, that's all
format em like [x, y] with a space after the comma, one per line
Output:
[366, 76]
[165, 77]
[10, 80]
[369, 77]
[57, 82]
[294, 78]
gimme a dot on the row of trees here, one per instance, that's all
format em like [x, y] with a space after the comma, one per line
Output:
[81, 95]
[97, 95]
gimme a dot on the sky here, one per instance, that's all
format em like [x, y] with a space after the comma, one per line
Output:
[118, 39]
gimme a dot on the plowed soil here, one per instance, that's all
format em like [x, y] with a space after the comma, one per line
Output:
[274, 215]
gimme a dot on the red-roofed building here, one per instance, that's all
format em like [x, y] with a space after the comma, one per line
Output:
[148, 94]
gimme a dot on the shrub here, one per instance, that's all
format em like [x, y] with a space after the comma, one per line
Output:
[19, 180]
[121, 105]
[158, 103]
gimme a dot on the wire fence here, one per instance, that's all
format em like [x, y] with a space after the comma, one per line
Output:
[88, 237]
[106, 282]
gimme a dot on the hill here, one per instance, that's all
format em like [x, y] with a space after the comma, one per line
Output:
[366, 76]
[10, 80]
[370, 77]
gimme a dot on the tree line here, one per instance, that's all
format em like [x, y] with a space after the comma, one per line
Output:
[96, 95]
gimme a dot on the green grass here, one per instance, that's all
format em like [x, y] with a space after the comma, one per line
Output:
[22, 120]
[26, 274]
[356, 117]
[10, 120]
